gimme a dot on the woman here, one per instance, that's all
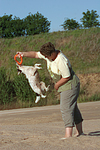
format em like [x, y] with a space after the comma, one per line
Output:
[66, 82]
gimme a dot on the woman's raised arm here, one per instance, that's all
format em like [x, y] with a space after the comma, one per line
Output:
[31, 54]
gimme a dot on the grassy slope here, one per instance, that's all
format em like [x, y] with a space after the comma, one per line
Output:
[82, 47]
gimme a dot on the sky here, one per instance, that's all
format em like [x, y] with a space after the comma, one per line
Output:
[56, 11]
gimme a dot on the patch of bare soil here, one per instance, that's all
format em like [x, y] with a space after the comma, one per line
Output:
[90, 83]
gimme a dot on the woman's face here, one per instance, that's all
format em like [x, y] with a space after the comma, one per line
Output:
[52, 57]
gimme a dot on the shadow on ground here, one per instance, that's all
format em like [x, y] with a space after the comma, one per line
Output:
[96, 133]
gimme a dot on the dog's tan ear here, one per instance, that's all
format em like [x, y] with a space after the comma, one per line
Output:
[33, 72]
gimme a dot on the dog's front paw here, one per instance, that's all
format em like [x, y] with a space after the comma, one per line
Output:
[37, 65]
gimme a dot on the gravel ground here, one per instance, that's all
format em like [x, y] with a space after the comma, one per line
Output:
[40, 128]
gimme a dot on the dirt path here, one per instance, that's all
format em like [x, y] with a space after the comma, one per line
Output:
[41, 128]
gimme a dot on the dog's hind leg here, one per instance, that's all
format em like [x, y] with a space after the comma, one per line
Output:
[37, 99]
[43, 96]
[47, 88]
[37, 90]
[43, 86]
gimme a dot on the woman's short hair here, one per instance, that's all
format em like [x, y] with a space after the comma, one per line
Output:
[47, 49]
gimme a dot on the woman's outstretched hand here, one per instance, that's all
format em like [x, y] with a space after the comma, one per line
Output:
[19, 54]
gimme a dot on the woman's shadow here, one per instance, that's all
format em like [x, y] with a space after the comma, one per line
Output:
[96, 133]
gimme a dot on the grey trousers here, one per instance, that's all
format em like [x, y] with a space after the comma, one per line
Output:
[68, 106]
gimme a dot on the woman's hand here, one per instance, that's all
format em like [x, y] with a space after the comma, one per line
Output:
[20, 54]
[61, 82]
[56, 86]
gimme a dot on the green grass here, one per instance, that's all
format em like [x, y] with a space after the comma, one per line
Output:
[84, 98]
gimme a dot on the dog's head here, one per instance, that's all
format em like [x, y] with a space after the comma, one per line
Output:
[18, 69]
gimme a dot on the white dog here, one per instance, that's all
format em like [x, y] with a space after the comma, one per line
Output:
[33, 77]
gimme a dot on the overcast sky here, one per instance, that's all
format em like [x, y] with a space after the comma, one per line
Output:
[55, 11]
